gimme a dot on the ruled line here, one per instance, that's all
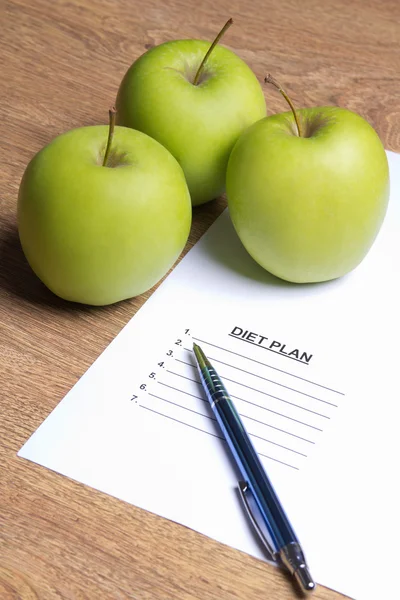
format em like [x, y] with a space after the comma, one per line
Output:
[247, 402]
[213, 434]
[278, 445]
[277, 398]
[183, 391]
[299, 437]
[254, 390]
[241, 414]
[184, 377]
[244, 416]
[274, 382]
[277, 413]
[186, 363]
[182, 422]
[264, 379]
[266, 365]
[196, 412]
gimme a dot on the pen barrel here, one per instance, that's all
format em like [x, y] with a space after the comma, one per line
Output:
[248, 461]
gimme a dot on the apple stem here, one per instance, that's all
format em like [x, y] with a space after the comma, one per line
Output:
[211, 48]
[270, 79]
[111, 115]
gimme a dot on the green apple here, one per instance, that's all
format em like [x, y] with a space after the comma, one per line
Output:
[308, 207]
[196, 100]
[98, 226]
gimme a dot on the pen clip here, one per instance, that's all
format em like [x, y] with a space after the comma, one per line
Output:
[243, 491]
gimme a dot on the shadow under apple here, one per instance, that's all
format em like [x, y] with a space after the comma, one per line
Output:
[18, 279]
[227, 249]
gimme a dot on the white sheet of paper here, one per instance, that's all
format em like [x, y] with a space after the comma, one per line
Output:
[325, 425]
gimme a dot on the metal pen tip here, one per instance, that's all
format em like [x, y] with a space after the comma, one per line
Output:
[304, 579]
[292, 557]
[201, 358]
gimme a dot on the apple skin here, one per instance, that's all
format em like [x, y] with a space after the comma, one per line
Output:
[308, 209]
[199, 124]
[97, 235]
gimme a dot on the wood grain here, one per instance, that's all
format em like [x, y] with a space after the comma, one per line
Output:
[61, 64]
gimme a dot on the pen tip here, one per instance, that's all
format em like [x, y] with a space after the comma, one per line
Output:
[200, 357]
[304, 579]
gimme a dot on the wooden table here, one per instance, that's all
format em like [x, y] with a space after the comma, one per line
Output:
[61, 64]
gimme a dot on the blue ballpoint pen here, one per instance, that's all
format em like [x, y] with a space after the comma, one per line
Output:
[281, 542]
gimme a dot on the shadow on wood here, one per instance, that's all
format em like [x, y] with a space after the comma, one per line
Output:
[18, 279]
